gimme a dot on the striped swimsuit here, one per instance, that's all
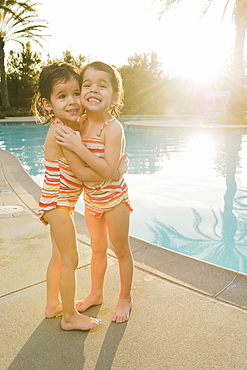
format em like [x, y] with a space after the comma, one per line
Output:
[61, 188]
[100, 197]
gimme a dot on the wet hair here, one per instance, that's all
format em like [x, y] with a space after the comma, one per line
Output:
[49, 76]
[116, 83]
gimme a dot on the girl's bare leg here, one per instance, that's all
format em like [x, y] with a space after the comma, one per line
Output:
[118, 226]
[63, 233]
[99, 244]
[53, 302]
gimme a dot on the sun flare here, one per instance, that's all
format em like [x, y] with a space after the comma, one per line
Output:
[199, 47]
[201, 145]
[201, 61]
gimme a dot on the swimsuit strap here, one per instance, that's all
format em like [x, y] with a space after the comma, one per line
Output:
[103, 126]
[61, 123]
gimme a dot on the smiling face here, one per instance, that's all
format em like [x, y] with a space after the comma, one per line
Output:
[65, 101]
[97, 93]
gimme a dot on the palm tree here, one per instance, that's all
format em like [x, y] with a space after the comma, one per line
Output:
[237, 70]
[18, 21]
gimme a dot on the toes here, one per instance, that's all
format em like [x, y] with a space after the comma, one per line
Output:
[120, 319]
[95, 323]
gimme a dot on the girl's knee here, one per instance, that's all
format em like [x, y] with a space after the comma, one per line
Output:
[100, 252]
[56, 260]
[122, 251]
[75, 261]
[98, 246]
[71, 261]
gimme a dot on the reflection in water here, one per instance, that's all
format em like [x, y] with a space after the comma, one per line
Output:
[187, 185]
[147, 147]
[229, 248]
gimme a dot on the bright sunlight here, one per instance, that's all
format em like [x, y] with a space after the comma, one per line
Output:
[198, 46]
[186, 44]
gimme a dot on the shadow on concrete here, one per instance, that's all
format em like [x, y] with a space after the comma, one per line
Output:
[110, 345]
[50, 347]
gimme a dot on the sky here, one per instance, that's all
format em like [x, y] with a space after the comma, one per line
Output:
[114, 30]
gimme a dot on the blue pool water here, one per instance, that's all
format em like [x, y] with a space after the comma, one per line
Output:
[188, 186]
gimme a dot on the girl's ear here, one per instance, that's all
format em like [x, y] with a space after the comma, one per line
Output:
[116, 98]
[47, 104]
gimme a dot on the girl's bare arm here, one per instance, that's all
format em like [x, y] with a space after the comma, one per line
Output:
[85, 173]
[114, 146]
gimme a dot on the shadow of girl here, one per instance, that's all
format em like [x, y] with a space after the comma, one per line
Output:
[50, 347]
[110, 345]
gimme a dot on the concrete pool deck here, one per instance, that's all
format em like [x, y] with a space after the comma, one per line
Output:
[187, 314]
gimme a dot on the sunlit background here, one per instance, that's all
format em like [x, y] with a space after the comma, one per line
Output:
[112, 30]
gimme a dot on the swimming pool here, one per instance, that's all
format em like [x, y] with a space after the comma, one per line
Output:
[188, 186]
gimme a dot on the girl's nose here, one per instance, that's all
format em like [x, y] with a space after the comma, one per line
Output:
[93, 88]
[72, 99]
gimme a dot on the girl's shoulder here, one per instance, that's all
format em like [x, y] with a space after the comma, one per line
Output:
[56, 124]
[52, 148]
[113, 123]
[112, 128]
[51, 130]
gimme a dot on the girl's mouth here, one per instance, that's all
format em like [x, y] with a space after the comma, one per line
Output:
[72, 110]
[93, 99]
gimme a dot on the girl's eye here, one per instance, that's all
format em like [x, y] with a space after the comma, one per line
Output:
[61, 96]
[86, 85]
[77, 94]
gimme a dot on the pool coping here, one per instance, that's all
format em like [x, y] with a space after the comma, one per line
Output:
[173, 121]
[180, 124]
[202, 277]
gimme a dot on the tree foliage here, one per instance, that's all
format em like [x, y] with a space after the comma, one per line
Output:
[147, 89]
[67, 57]
[144, 85]
[23, 70]
[19, 22]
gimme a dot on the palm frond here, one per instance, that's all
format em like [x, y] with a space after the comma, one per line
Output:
[206, 7]
[19, 20]
[167, 5]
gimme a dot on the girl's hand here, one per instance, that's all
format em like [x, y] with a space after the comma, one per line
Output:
[68, 138]
[123, 164]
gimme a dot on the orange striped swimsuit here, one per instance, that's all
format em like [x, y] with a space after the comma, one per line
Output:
[100, 197]
[61, 188]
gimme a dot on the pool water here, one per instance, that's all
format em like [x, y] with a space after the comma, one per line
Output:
[188, 186]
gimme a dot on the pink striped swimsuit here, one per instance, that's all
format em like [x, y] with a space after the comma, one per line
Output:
[100, 197]
[61, 188]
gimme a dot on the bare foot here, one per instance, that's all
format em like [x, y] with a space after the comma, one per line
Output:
[122, 312]
[53, 310]
[90, 300]
[79, 322]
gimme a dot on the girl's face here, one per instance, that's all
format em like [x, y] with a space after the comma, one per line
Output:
[96, 92]
[65, 101]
